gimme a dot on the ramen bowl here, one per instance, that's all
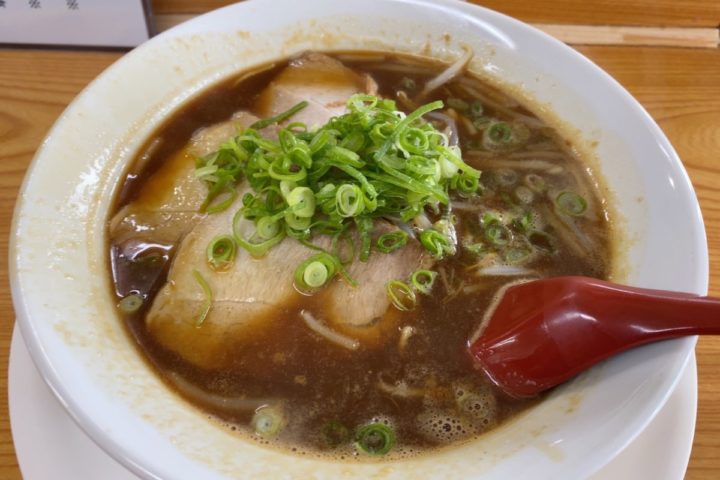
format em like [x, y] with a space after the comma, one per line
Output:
[60, 263]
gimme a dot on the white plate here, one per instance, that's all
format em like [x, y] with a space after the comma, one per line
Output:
[50, 446]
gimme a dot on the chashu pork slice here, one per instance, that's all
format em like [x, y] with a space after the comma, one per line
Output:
[253, 292]
[245, 297]
[365, 312]
[324, 82]
[167, 205]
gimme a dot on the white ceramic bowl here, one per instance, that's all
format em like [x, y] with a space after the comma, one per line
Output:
[59, 260]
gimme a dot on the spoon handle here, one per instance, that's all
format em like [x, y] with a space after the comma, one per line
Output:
[643, 315]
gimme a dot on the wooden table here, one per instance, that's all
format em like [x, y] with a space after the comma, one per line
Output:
[680, 87]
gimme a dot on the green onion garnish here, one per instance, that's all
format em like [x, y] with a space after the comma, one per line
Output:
[301, 201]
[267, 227]
[369, 163]
[408, 84]
[477, 249]
[523, 222]
[504, 136]
[208, 297]
[498, 234]
[375, 439]
[401, 295]
[335, 433]
[466, 184]
[343, 247]
[517, 254]
[267, 421]
[349, 200]
[220, 252]
[256, 249]
[458, 104]
[316, 272]
[423, 280]
[131, 303]
[541, 240]
[524, 194]
[481, 122]
[570, 203]
[390, 242]
[436, 243]
[219, 199]
[260, 124]
[498, 133]
[505, 177]
[534, 182]
[476, 109]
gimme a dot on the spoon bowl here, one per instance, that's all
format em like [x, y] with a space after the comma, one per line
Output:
[542, 333]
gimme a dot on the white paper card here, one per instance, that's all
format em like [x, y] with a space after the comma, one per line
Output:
[116, 23]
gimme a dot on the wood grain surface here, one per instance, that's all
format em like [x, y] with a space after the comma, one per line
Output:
[684, 13]
[678, 86]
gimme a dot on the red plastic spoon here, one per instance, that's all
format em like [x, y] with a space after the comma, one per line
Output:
[544, 332]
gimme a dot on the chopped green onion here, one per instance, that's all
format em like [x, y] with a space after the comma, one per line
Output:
[534, 182]
[458, 104]
[315, 275]
[436, 243]
[408, 84]
[414, 141]
[349, 200]
[390, 242]
[489, 218]
[517, 254]
[347, 254]
[541, 240]
[476, 109]
[220, 200]
[267, 421]
[370, 163]
[299, 224]
[570, 203]
[316, 272]
[220, 252]
[267, 227]
[364, 224]
[401, 295]
[504, 136]
[467, 184]
[498, 234]
[207, 292]
[256, 249]
[423, 280]
[131, 303]
[375, 439]
[498, 133]
[302, 202]
[523, 222]
[335, 433]
[260, 124]
[476, 249]
[481, 122]
[505, 177]
[404, 123]
[524, 194]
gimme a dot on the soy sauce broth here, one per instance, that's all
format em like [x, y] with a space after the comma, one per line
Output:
[421, 383]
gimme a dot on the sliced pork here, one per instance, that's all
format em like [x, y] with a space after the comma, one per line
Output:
[254, 291]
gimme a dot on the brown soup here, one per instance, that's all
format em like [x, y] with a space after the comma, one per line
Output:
[276, 380]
